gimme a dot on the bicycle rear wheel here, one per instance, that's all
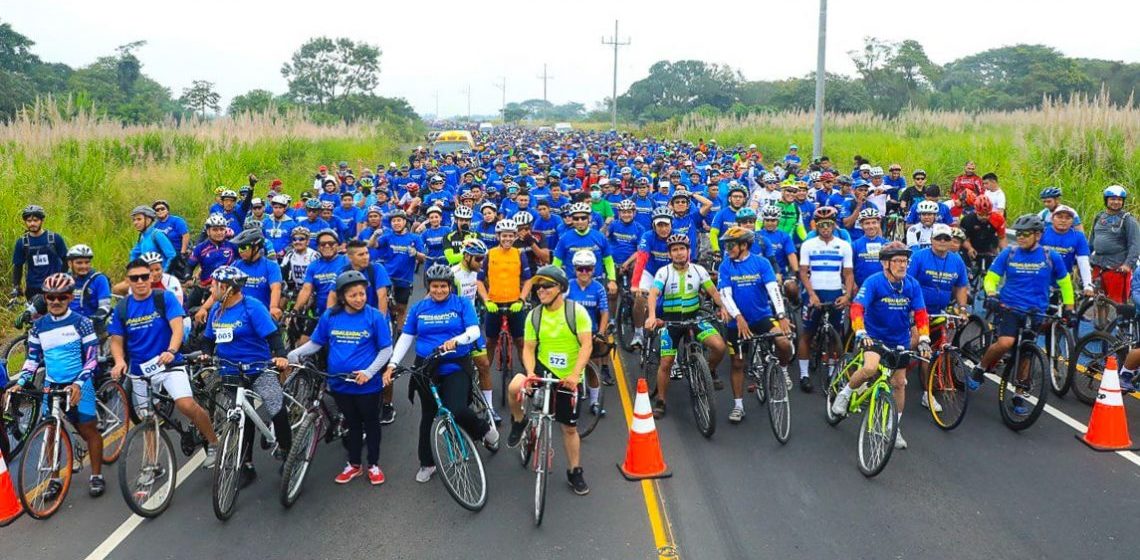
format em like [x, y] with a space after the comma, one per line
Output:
[625, 323]
[972, 339]
[1088, 363]
[587, 421]
[148, 471]
[20, 416]
[503, 357]
[297, 462]
[225, 489]
[877, 431]
[1023, 399]
[15, 352]
[112, 413]
[701, 398]
[526, 444]
[45, 471]
[1060, 346]
[544, 458]
[459, 464]
[826, 357]
[779, 408]
[946, 389]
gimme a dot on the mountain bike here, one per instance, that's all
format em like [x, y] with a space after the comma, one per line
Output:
[1089, 361]
[536, 448]
[307, 384]
[623, 315]
[826, 345]
[691, 364]
[772, 383]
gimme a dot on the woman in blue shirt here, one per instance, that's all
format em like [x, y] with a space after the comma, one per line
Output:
[359, 344]
[446, 321]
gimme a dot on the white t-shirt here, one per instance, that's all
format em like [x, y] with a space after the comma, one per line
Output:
[918, 236]
[466, 281]
[826, 261]
[997, 198]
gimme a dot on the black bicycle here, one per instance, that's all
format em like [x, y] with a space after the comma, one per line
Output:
[772, 383]
[691, 364]
[826, 346]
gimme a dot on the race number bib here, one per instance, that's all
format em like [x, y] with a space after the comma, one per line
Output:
[558, 360]
[39, 260]
[224, 335]
[150, 367]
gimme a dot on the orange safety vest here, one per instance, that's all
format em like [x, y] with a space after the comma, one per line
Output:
[504, 274]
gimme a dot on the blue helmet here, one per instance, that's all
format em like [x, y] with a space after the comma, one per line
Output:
[1115, 191]
[474, 247]
[313, 204]
[745, 213]
[230, 275]
[1050, 192]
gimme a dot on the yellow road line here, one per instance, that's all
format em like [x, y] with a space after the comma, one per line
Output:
[658, 522]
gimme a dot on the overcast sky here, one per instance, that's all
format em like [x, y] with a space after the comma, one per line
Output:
[443, 46]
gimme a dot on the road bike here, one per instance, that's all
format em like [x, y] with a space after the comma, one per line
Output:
[826, 345]
[772, 383]
[691, 364]
[504, 348]
[536, 448]
[623, 315]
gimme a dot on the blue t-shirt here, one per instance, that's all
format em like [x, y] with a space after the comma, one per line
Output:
[1069, 245]
[593, 297]
[398, 253]
[573, 241]
[658, 251]
[865, 257]
[748, 279]
[175, 228]
[782, 246]
[623, 239]
[433, 323]
[145, 333]
[279, 232]
[263, 273]
[353, 340]
[322, 275]
[1028, 276]
[546, 229]
[88, 291]
[887, 308]
[346, 220]
[210, 256]
[433, 241]
[938, 276]
[240, 332]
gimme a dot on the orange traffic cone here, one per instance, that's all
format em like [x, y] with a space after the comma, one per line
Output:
[643, 457]
[10, 507]
[1108, 425]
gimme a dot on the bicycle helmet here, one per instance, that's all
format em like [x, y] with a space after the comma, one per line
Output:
[216, 220]
[230, 276]
[927, 207]
[626, 205]
[983, 205]
[58, 283]
[1115, 191]
[745, 213]
[679, 194]
[1050, 192]
[505, 225]
[770, 212]
[1061, 208]
[251, 237]
[145, 211]
[433, 209]
[958, 233]
[219, 190]
[228, 194]
[349, 278]
[439, 273]
[642, 181]
[918, 172]
[279, 200]
[412, 188]
[464, 213]
[677, 239]
[302, 231]
[33, 210]
[662, 214]
[824, 213]
[313, 204]
[876, 171]
[474, 247]
[374, 210]
[737, 234]
[1029, 222]
[326, 205]
[579, 208]
[80, 252]
[892, 250]
[329, 232]
[152, 257]
[397, 213]
[366, 182]
[436, 180]
[251, 222]
[488, 205]
[523, 218]
[553, 274]
[584, 258]
[871, 213]
[769, 178]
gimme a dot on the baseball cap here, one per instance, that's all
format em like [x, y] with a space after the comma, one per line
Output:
[940, 230]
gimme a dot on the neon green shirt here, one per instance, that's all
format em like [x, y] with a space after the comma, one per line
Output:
[558, 349]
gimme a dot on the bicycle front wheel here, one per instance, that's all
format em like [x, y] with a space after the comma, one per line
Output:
[503, 356]
[587, 420]
[827, 354]
[226, 470]
[877, 431]
[543, 459]
[779, 407]
[946, 392]
[1060, 350]
[148, 470]
[1022, 391]
[1088, 362]
[756, 376]
[297, 462]
[45, 471]
[112, 412]
[15, 352]
[701, 396]
[625, 324]
[972, 339]
[459, 464]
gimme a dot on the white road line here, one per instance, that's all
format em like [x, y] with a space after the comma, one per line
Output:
[1131, 456]
[119, 535]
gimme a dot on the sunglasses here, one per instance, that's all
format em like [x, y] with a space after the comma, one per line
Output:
[579, 218]
[544, 286]
[943, 238]
[161, 209]
[476, 258]
[584, 269]
[1025, 234]
[139, 277]
[57, 297]
[327, 244]
[245, 247]
[826, 223]
[300, 239]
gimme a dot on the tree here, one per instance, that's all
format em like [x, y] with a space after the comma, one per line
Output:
[514, 112]
[128, 68]
[201, 96]
[324, 70]
[678, 87]
[1019, 76]
[895, 75]
[97, 86]
[252, 101]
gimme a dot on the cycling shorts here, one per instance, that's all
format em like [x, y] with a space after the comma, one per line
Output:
[565, 407]
[402, 294]
[1009, 322]
[516, 322]
[174, 381]
[762, 326]
[704, 330]
[1116, 284]
[81, 414]
[810, 315]
[890, 359]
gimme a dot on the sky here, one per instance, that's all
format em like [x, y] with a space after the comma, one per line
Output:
[433, 52]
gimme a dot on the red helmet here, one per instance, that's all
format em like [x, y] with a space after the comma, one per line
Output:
[58, 283]
[824, 213]
[983, 205]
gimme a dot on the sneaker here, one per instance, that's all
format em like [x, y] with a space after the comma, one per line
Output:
[607, 376]
[805, 384]
[247, 476]
[53, 489]
[577, 482]
[375, 475]
[350, 472]
[517, 429]
[718, 384]
[596, 409]
[491, 439]
[787, 378]
[636, 342]
[975, 378]
[658, 408]
[211, 456]
[839, 405]
[97, 486]
[498, 420]
[926, 402]
[736, 416]
[424, 474]
[1126, 384]
[149, 475]
[1020, 406]
[900, 442]
[389, 414]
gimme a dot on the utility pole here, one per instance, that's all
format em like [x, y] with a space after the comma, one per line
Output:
[437, 104]
[544, 77]
[502, 85]
[820, 79]
[468, 92]
[616, 43]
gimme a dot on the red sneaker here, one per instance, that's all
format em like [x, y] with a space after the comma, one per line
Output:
[375, 475]
[350, 472]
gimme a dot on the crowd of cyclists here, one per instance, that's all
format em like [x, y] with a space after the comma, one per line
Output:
[537, 237]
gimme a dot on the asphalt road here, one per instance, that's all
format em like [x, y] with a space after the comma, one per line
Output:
[981, 491]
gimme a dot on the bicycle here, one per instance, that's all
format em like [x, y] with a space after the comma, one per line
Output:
[623, 315]
[460, 466]
[690, 363]
[1096, 312]
[587, 420]
[772, 383]
[504, 348]
[313, 424]
[827, 346]
[1087, 366]
[1058, 344]
[21, 413]
[537, 442]
[880, 426]
[946, 384]
[16, 350]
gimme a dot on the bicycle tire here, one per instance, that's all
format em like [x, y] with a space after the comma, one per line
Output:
[300, 456]
[226, 484]
[300, 387]
[458, 463]
[543, 460]
[756, 375]
[650, 360]
[15, 351]
[112, 404]
[20, 417]
[701, 396]
[971, 339]
[1060, 352]
[1088, 314]
[826, 356]
[503, 356]
[587, 421]
[835, 385]
[153, 503]
[526, 444]
[479, 404]
[779, 407]
[877, 431]
[31, 482]
[1038, 370]
[223, 400]
[1088, 362]
[626, 328]
[946, 386]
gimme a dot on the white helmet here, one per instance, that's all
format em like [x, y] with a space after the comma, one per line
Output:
[506, 225]
[927, 207]
[216, 220]
[876, 171]
[279, 199]
[585, 258]
[464, 213]
[80, 251]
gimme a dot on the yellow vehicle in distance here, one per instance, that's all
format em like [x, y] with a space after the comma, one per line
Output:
[451, 141]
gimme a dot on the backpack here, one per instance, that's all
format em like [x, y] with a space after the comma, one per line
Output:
[28, 247]
[569, 309]
[156, 296]
[83, 290]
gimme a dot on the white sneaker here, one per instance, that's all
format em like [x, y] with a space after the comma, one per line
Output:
[637, 341]
[900, 443]
[424, 474]
[926, 403]
[491, 438]
[787, 378]
[839, 406]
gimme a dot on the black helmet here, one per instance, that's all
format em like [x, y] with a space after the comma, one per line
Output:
[248, 237]
[892, 250]
[33, 210]
[554, 274]
[348, 278]
[1029, 222]
[439, 272]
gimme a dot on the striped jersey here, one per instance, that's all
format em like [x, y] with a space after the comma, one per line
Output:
[826, 261]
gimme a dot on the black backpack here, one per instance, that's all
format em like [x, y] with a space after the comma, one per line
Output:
[28, 247]
[569, 309]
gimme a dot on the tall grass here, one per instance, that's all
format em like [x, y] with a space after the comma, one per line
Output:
[1082, 145]
[88, 172]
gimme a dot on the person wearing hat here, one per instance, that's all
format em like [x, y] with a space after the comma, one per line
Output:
[985, 234]
[685, 220]
[320, 276]
[319, 179]
[942, 275]
[150, 238]
[793, 155]
[278, 226]
[433, 233]
[600, 206]
[174, 227]
[1062, 238]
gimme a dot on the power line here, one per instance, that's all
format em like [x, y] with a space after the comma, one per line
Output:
[616, 43]
[544, 77]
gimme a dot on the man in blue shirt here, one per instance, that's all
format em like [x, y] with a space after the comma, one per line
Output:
[320, 278]
[40, 250]
[943, 277]
[174, 227]
[865, 250]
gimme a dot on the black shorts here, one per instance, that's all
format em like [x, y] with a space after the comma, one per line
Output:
[402, 294]
[1009, 323]
[890, 359]
[565, 405]
[762, 326]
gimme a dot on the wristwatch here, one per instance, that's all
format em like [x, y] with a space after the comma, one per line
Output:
[781, 316]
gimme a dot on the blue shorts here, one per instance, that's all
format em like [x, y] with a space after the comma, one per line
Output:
[810, 315]
[83, 413]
